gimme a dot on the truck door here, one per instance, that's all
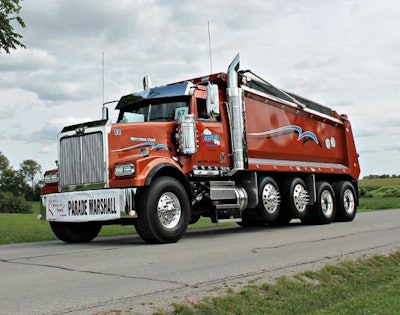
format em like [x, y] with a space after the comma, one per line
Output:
[213, 148]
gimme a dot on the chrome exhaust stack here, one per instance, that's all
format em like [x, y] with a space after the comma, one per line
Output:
[236, 116]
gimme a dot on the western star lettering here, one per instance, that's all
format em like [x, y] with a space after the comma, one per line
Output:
[92, 206]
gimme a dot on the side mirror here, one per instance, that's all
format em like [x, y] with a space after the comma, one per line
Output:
[212, 100]
[104, 113]
[146, 83]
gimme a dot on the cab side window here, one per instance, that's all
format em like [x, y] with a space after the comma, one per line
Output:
[202, 111]
[202, 108]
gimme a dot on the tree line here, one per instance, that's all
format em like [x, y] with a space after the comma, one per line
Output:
[372, 176]
[18, 186]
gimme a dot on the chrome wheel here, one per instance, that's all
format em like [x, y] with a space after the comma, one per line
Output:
[349, 201]
[327, 205]
[169, 210]
[300, 198]
[270, 198]
[346, 201]
[324, 210]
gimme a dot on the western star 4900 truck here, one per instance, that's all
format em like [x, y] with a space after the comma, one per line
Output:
[228, 146]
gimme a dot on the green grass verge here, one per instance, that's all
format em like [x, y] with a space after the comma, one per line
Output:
[21, 228]
[369, 286]
[379, 203]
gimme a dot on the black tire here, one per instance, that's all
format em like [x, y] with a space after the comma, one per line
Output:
[324, 210]
[283, 218]
[346, 201]
[252, 218]
[156, 223]
[82, 232]
[295, 197]
[268, 199]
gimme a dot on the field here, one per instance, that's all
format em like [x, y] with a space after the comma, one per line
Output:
[379, 193]
[379, 182]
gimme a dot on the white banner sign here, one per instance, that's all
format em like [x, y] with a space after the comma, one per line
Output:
[80, 206]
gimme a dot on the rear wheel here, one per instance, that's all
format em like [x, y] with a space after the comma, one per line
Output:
[346, 204]
[323, 212]
[268, 199]
[82, 232]
[163, 211]
[295, 197]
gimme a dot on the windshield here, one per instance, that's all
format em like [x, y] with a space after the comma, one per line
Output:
[156, 110]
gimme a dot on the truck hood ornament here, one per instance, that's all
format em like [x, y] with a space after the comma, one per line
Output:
[80, 130]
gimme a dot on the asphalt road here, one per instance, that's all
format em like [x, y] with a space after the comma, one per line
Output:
[124, 273]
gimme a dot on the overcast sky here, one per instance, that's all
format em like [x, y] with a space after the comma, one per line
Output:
[344, 54]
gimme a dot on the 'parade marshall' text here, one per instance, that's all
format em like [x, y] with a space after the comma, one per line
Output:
[92, 206]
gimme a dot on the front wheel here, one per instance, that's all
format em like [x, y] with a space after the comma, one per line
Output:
[82, 232]
[163, 211]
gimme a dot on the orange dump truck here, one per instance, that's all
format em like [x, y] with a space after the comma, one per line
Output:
[228, 146]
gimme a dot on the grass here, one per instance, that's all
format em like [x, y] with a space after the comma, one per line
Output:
[20, 228]
[364, 286]
[379, 203]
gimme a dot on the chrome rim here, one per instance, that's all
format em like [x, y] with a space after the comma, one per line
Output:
[270, 197]
[327, 203]
[300, 196]
[348, 201]
[169, 210]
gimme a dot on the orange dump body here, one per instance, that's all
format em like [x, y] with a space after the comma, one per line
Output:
[284, 138]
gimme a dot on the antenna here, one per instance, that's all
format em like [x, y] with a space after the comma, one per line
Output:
[102, 75]
[209, 45]
[104, 109]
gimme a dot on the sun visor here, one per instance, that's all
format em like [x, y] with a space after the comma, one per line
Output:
[179, 89]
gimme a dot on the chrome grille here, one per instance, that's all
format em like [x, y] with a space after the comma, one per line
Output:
[81, 159]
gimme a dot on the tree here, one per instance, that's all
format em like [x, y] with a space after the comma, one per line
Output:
[4, 163]
[29, 169]
[13, 182]
[14, 189]
[9, 12]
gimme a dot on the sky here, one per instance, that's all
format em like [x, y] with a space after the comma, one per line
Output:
[343, 54]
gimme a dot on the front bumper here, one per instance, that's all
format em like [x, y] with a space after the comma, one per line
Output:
[89, 205]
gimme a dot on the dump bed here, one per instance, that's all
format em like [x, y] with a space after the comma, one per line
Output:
[286, 132]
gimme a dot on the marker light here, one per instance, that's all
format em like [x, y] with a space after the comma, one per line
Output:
[51, 178]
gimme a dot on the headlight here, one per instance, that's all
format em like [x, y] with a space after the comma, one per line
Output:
[51, 178]
[124, 170]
